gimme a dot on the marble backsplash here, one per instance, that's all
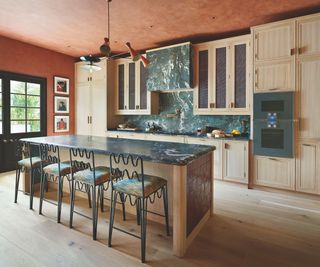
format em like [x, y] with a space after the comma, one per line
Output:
[185, 122]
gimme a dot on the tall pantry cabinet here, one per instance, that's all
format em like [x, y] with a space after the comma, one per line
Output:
[91, 100]
[308, 86]
[287, 58]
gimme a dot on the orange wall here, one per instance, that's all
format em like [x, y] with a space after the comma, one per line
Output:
[19, 57]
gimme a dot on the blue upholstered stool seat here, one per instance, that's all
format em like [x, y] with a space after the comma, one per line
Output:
[134, 186]
[54, 168]
[86, 176]
[27, 164]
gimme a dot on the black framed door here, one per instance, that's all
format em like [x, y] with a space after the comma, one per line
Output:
[23, 113]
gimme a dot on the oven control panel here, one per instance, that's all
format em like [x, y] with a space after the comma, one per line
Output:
[272, 120]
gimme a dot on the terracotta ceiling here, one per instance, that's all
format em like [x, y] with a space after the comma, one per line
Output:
[77, 27]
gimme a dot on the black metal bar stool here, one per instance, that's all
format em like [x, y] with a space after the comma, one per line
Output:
[139, 188]
[26, 162]
[88, 179]
[52, 169]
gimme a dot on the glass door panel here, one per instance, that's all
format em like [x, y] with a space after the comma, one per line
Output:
[143, 87]
[203, 79]
[240, 71]
[121, 86]
[221, 77]
[132, 85]
[1, 119]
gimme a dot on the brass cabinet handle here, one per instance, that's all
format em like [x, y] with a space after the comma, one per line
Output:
[273, 159]
[137, 106]
[292, 51]
[300, 50]
[88, 120]
[211, 105]
[125, 107]
[226, 145]
[273, 89]
[306, 145]
[232, 105]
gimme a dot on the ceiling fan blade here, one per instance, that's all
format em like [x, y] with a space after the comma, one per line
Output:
[90, 58]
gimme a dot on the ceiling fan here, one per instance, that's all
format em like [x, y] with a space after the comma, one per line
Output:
[106, 51]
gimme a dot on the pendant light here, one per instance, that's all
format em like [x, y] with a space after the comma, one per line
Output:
[90, 66]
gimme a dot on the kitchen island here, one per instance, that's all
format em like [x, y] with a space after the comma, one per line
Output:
[187, 168]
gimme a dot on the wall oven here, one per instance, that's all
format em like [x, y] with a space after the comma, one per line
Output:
[273, 124]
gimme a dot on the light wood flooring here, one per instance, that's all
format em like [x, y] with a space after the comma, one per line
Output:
[249, 228]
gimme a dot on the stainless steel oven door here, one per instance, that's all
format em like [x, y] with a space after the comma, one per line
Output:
[275, 142]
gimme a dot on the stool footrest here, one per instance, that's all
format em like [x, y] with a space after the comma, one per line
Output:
[126, 232]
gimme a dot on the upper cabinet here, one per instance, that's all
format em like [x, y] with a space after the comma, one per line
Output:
[84, 76]
[223, 76]
[274, 57]
[276, 48]
[170, 68]
[132, 97]
[274, 41]
[308, 35]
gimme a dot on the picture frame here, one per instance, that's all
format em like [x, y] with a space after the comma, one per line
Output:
[61, 124]
[61, 104]
[61, 85]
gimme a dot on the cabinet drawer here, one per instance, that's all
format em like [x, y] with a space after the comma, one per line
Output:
[277, 76]
[274, 172]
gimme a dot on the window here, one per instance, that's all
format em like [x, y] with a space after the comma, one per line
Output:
[24, 107]
[1, 106]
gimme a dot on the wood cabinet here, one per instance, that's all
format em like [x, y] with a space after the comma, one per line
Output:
[217, 154]
[308, 40]
[91, 100]
[277, 46]
[274, 172]
[235, 161]
[309, 96]
[307, 172]
[274, 41]
[274, 56]
[230, 158]
[223, 76]
[132, 97]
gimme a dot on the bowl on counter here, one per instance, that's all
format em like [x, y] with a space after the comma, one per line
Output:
[122, 126]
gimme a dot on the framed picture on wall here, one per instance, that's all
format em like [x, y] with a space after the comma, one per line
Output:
[61, 85]
[61, 104]
[61, 124]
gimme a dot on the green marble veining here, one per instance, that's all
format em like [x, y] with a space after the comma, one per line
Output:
[159, 152]
[186, 122]
[170, 68]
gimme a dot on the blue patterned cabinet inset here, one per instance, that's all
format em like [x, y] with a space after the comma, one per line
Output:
[170, 68]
